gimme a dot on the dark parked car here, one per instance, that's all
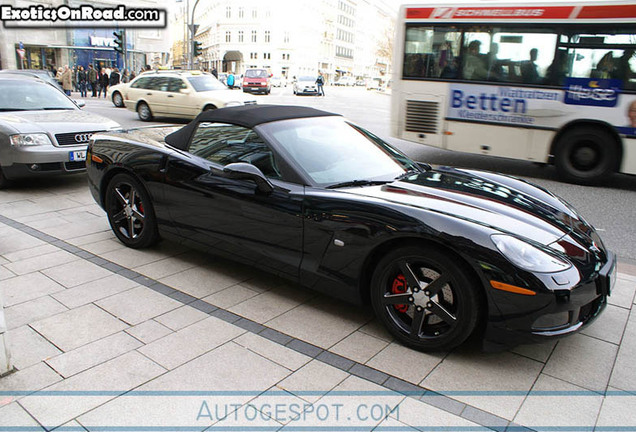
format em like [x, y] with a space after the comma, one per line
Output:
[441, 254]
[42, 131]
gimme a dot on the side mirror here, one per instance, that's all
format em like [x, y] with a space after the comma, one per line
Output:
[80, 103]
[245, 171]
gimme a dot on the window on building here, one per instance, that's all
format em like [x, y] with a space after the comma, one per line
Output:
[253, 35]
[268, 36]
[240, 36]
[241, 12]
[228, 36]
[286, 37]
[254, 14]
[267, 56]
[228, 12]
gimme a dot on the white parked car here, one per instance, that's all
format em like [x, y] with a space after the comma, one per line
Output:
[181, 94]
[345, 81]
[305, 85]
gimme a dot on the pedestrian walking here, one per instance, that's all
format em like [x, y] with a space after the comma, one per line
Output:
[103, 83]
[320, 82]
[125, 78]
[67, 80]
[82, 80]
[114, 78]
[93, 78]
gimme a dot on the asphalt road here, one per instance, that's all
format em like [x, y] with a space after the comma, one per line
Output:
[611, 208]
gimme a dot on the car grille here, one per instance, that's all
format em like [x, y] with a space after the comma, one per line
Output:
[421, 116]
[74, 138]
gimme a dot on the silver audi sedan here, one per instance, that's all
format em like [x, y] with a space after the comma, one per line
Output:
[42, 131]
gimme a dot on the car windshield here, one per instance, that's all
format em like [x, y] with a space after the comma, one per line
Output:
[203, 83]
[26, 95]
[331, 151]
[256, 73]
[307, 78]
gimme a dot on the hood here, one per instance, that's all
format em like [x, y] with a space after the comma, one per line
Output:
[503, 203]
[58, 121]
[148, 135]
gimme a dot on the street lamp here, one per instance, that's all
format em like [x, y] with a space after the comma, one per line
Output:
[192, 29]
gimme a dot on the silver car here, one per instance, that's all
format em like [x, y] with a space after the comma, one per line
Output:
[42, 131]
[305, 85]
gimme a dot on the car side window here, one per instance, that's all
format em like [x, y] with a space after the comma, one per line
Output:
[141, 83]
[158, 84]
[176, 84]
[225, 144]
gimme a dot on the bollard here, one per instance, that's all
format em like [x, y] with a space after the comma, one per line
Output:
[5, 358]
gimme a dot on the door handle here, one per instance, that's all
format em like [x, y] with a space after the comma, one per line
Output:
[148, 94]
[170, 96]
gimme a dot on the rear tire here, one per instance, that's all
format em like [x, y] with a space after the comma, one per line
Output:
[425, 298]
[130, 212]
[586, 155]
[143, 111]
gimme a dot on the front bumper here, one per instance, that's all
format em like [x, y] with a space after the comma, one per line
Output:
[562, 311]
[33, 161]
[256, 89]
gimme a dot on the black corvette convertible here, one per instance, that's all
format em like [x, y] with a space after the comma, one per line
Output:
[441, 254]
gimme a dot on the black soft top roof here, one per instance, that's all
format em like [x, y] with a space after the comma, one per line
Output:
[246, 115]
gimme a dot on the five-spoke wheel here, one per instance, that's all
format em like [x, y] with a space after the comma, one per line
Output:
[425, 298]
[130, 212]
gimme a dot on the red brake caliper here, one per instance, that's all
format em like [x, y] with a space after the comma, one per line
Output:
[399, 287]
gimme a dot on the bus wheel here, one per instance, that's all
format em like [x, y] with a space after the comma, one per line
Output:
[585, 155]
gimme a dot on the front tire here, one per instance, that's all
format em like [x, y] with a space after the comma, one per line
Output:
[118, 100]
[586, 155]
[4, 182]
[425, 299]
[130, 212]
[143, 111]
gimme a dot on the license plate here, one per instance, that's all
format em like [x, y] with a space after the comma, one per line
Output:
[77, 156]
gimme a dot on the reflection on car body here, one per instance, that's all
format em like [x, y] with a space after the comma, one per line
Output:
[441, 254]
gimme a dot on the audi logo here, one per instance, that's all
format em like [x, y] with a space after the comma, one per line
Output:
[83, 137]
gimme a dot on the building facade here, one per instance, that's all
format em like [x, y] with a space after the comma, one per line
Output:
[335, 37]
[30, 48]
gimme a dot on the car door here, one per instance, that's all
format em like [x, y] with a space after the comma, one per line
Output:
[181, 103]
[234, 216]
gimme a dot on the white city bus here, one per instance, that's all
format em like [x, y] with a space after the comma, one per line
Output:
[550, 83]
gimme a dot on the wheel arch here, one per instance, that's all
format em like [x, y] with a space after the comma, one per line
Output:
[384, 248]
[618, 142]
[209, 105]
[108, 176]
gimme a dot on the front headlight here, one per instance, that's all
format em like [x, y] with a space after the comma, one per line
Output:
[528, 257]
[23, 140]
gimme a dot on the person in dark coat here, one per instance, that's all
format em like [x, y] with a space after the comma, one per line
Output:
[114, 77]
[103, 82]
[82, 80]
[93, 80]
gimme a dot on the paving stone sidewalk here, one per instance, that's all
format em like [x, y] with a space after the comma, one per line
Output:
[108, 338]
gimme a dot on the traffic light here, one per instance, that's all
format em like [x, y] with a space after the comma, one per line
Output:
[120, 43]
[196, 48]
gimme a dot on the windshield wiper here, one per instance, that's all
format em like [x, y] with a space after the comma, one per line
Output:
[358, 183]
